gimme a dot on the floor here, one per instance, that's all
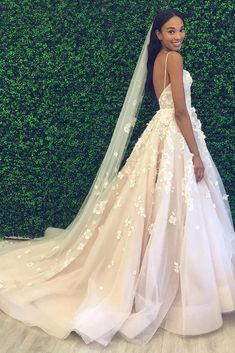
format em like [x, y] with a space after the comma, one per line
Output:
[17, 338]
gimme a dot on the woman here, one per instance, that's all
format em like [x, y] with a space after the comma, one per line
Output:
[157, 246]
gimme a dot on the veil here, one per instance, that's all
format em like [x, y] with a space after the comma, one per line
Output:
[112, 160]
[119, 141]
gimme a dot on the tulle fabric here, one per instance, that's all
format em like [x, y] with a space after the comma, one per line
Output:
[158, 249]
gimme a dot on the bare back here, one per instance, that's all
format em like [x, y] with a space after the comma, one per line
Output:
[160, 75]
[168, 70]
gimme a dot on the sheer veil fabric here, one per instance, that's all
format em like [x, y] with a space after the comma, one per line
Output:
[149, 247]
[121, 136]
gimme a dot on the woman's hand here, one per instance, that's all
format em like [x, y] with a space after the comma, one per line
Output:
[198, 168]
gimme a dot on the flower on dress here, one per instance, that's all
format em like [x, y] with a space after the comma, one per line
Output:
[120, 175]
[176, 266]
[87, 234]
[127, 222]
[132, 180]
[172, 219]
[141, 212]
[80, 246]
[139, 200]
[119, 234]
[99, 207]
[150, 228]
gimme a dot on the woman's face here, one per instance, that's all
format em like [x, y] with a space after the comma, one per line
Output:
[172, 34]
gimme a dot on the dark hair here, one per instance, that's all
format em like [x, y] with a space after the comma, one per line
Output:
[155, 45]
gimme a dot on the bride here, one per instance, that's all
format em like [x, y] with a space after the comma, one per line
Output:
[153, 244]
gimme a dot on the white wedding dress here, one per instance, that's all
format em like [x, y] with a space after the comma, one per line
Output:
[159, 250]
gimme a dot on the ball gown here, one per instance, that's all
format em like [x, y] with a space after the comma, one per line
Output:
[158, 251]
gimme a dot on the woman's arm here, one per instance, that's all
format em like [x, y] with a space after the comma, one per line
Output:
[175, 70]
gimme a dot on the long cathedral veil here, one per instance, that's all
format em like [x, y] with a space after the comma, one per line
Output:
[77, 233]
[121, 136]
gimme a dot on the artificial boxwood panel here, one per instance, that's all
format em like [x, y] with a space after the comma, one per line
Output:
[65, 67]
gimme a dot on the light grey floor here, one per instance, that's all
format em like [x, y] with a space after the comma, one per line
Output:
[17, 338]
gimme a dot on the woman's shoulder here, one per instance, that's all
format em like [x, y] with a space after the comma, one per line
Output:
[174, 55]
[170, 56]
[175, 59]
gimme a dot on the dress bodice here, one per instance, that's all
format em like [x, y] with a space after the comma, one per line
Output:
[166, 100]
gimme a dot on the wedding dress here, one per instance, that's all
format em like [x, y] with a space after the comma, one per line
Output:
[159, 250]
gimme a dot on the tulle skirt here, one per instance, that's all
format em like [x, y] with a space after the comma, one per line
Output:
[158, 251]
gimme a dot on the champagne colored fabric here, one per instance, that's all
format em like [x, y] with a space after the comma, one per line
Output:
[158, 249]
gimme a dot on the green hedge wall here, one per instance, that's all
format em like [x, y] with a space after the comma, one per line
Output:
[65, 67]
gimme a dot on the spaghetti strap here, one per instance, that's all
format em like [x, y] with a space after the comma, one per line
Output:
[165, 70]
